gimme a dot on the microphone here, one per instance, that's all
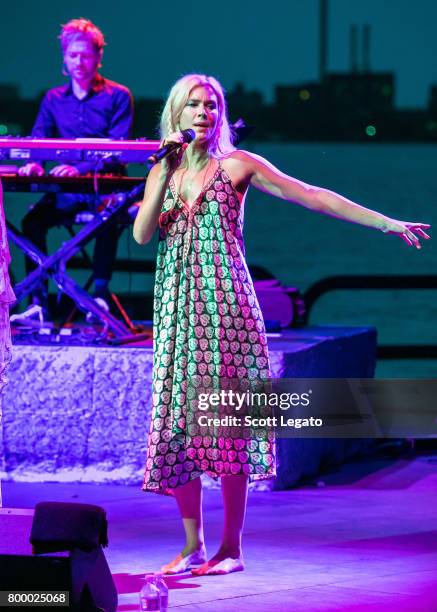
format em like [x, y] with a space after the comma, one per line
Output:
[188, 136]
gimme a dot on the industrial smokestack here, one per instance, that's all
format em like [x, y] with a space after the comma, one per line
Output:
[366, 48]
[323, 50]
[353, 48]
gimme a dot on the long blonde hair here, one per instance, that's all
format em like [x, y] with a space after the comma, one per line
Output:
[221, 141]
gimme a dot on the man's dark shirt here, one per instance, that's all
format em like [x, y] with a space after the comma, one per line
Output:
[106, 112]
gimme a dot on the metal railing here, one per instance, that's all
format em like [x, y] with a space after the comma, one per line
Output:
[378, 281]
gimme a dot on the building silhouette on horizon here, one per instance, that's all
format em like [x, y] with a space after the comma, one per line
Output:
[353, 106]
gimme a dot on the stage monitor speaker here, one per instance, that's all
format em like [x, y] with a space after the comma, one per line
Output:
[58, 526]
[76, 530]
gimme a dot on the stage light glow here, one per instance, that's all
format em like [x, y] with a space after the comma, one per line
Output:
[304, 95]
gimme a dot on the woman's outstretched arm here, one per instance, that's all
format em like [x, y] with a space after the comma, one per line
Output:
[264, 176]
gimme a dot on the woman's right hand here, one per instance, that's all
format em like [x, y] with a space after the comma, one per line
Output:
[171, 162]
[158, 178]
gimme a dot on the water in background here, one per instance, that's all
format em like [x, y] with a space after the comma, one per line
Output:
[300, 247]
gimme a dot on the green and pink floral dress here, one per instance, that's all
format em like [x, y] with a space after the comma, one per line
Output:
[207, 323]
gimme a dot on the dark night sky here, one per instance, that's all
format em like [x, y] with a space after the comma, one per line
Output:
[256, 41]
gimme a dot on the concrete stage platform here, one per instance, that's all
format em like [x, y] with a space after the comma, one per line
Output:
[81, 413]
[365, 541]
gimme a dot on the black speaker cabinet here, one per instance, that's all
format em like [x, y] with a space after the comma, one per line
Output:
[83, 573]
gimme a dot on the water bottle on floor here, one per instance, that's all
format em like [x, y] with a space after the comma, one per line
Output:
[163, 592]
[149, 595]
[154, 594]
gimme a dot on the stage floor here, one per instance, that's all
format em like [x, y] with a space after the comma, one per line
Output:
[362, 538]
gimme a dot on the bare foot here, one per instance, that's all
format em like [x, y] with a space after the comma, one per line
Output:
[221, 563]
[183, 561]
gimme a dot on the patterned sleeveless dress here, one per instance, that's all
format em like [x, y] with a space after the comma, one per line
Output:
[207, 322]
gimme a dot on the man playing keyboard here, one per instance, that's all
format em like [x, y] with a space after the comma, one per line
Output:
[89, 106]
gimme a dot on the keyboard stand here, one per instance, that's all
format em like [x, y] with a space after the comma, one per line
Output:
[54, 266]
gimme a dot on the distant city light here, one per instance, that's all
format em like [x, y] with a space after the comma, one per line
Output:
[370, 130]
[3, 129]
[304, 94]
